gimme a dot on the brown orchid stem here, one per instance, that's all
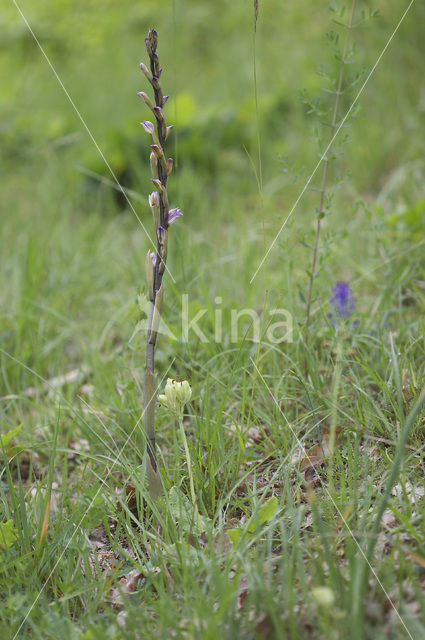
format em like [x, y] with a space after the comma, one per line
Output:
[155, 262]
[325, 177]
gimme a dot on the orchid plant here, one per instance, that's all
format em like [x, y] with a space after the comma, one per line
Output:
[176, 395]
[156, 260]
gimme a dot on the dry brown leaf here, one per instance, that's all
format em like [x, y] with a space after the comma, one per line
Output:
[130, 493]
[264, 627]
[253, 435]
[420, 560]
[308, 521]
[242, 592]
[129, 583]
[316, 456]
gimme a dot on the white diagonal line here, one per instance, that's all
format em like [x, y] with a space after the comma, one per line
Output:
[333, 501]
[83, 122]
[88, 508]
[322, 157]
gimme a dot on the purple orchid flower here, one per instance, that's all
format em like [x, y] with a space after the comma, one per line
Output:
[148, 126]
[173, 214]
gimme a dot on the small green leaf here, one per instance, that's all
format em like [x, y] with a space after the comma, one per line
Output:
[268, 510]
[6, 438]
[234, 535]
[7, 534]
[265, 514]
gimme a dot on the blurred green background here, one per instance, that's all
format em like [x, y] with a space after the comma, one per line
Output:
[207, 51]
[71, 248]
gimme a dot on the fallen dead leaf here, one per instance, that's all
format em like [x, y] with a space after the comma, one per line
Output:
[130, 493]
[252, 436]
[129, 583]
[420, 560]
[308, 521]
[264, 627]
[242, 592]
[315, 458]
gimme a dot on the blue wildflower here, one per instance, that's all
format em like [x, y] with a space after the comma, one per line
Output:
[342, 301]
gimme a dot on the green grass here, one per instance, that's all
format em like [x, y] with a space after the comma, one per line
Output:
[72, 265]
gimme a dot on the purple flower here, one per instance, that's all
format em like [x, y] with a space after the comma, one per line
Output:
[173, 214]
[343, 302]
[148, 126]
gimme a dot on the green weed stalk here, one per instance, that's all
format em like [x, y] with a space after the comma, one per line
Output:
[320, 211]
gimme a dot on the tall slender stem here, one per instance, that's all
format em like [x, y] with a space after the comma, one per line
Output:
[155, 262]
[190, 473]
[325, 176]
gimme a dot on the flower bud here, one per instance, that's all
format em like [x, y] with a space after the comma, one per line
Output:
[154, 205]
[183, 391]
[144, 96]
[176, 395]
[169, 166]
[158, 113]
[146, 71]
[157, 150]
[153, 199]
[148, 127]
[153, 38]
[148, 47]
[168, 130]
[158, 184]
